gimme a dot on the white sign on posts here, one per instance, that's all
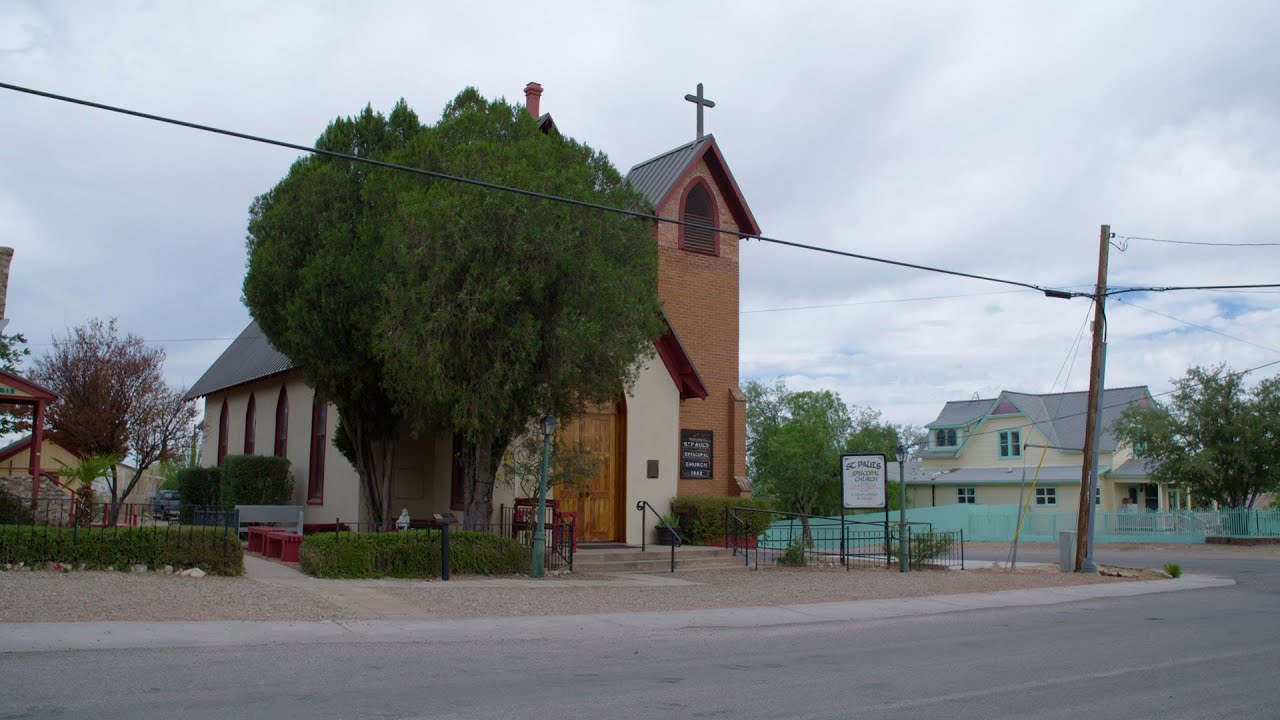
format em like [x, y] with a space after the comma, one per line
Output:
[862, 481]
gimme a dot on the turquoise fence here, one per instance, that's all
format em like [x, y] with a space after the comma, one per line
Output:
[996, 523]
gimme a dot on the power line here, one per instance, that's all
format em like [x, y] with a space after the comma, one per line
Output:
[879, 302]
[513, 190]
[1194, 242]
[1200, 327]
[1170, 288]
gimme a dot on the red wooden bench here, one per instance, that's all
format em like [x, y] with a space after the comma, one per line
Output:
[258, 537]
[283, 545]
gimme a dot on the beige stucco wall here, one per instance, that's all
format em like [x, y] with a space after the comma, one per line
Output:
[653, 433]
[341, 486]
[53, 457]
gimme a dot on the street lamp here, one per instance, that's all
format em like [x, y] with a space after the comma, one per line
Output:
[901, 452]
[540, 531]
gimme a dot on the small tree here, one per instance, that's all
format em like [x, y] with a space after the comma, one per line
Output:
[1214, 437]
[113, 400]
[569, 468]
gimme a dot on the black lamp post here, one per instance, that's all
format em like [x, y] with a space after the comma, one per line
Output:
[901, 452]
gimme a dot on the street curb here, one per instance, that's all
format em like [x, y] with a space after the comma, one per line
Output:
[55, 637]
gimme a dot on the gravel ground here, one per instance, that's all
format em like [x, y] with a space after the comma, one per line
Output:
[719, 588]
[42, 596]
[27, 596]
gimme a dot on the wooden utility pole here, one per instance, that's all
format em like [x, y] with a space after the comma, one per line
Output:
[1093, 418]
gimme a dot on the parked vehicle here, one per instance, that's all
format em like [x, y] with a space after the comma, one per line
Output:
[165, 503]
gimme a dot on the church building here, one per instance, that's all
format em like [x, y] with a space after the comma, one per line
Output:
[680, 430]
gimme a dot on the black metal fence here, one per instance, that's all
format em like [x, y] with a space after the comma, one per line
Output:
[73, 532]
[520, 523]
[795, 540]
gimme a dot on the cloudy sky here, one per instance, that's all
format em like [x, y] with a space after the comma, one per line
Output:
[991, 138]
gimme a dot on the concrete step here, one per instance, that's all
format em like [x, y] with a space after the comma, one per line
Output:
[656, 559]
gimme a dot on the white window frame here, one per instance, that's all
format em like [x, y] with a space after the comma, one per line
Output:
[1046, 496]
[967, 495]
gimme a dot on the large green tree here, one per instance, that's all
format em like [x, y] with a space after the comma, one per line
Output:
[1214, 436]
[795, 440]
[457, 308]
[316, 284]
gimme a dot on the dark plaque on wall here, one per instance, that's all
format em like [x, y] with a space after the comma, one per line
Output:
[695, 454]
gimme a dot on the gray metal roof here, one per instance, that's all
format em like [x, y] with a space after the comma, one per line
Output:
[962, 412]
[654, 178]
[1133, 467]
[918, 475]
[1060, 416]
[249, 357]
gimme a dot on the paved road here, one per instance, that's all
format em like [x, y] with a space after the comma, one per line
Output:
[1210, 653]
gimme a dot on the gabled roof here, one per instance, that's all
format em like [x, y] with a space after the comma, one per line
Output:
[657, 178]
[679, 364]
[24, 443]
[249, 357]
[28, 388]
[1059, 416]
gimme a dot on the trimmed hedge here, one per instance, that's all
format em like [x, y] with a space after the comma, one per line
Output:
[410, 554]
[215, 550]
[702, 518]
[256, 480]
[196, 487]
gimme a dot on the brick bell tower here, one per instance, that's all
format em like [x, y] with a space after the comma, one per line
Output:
[698, 285]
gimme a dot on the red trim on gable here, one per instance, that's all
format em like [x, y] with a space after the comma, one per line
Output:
[35, 391]
[683, 374]
[729, 190]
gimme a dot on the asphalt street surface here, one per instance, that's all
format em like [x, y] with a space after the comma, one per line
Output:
[1211, 653]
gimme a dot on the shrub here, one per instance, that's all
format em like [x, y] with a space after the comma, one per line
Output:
[214, 550]
[794, 555]
[256, 480]
[411, 554]
[702, 518]
[1173, 569]
[13, 509]
[198, 486]
[929, 546]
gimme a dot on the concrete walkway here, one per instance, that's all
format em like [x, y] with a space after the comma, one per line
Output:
[51, 637]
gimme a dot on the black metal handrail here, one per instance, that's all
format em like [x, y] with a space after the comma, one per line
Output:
[676, 541]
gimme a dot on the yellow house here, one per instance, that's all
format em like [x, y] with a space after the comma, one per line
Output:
[990, 451]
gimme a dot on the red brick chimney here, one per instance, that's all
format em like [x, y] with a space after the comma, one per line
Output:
[533, 98]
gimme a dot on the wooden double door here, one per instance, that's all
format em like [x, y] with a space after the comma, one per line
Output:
[599, 502]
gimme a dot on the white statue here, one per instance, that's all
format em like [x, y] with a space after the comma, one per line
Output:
[402, 522]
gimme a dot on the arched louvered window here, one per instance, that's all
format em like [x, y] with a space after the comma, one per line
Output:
[699, 207]
[250, 425]
[222, 433]
[282, 424]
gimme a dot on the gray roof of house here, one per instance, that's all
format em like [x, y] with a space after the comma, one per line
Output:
[1060, 416]
[249, 357]
[920, 475]
[1133, 467]
[654, 178]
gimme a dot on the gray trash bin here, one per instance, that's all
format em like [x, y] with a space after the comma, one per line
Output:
[1067, 551]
